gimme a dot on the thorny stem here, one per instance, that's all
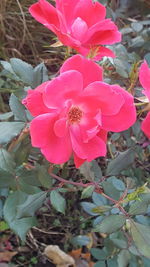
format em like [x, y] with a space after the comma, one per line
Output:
[97, 189]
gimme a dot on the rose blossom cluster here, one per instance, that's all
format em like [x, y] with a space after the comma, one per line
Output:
[75, 111]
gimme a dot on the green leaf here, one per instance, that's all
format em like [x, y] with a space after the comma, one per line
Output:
[140, 206]
[98, 199]
[6, 116]
[57, 201]
[44, 177]
[137, 26]
[9, 130]
[87, 192]
[97, 170]
[40, 75]
[30, 177]
[31, 204]
[7, 66]
[118, 184]
[100, 264]
[86, 171]
[29, 189]
[22, 226]
[91, 171]
[6, 161]
[123, 258]
[3, 226]
[88, 207]
[120, 243]
[7, 179]
[23, 70]
[124, 160]
[99, 254]
[110, 224]
[19, 226]
[17, 108]
[110, 189]
[80, 240]
[141, 237]
[101, 209]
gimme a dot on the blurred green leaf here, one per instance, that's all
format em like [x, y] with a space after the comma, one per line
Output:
[97, 170]
[23, 70]
[110, 189]
[31, 205]
[98, 199]
[6, 161]
[87, 192]
[124, 160]
[141, 237]
[88, 206]
[57, 201]
[9, 130]
[123, 258]
[100, 264]
[137, 26]
[7, 179]
[86, 171]
[44, 177]
[6, 116]
[40, 75]
[3, 226]
[80, 240]
[110, 224]
[101, 209]
[140, 206]
[99, 254]
[17, 108]
[19, 226]
[118, 184]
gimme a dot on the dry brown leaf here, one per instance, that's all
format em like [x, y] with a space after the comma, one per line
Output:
[143, 99]
[82, 259]
[57, 44]
[7, 255]
[59, 257]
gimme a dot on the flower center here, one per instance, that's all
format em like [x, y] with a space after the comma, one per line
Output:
[74, 115]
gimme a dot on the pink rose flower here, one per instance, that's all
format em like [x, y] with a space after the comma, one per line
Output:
[80, 24]
[144, 77]
[74, 112]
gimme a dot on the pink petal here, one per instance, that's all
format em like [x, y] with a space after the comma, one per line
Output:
[89, 151]
[34, 101]
[45, 13]
[106, 98]
[90, 125]
[146, 125]
[60, 127]
[104, 52]
[78, 161]
[66, 8]
[41, 129]
[79, 29]
[66, 86]
[56, 150]
[89, 11]
[104, 32]
[144, 77]
[84, 66]
[103, 135]
[126, 116]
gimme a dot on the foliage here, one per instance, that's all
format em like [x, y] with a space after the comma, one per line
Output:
[113, 192]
